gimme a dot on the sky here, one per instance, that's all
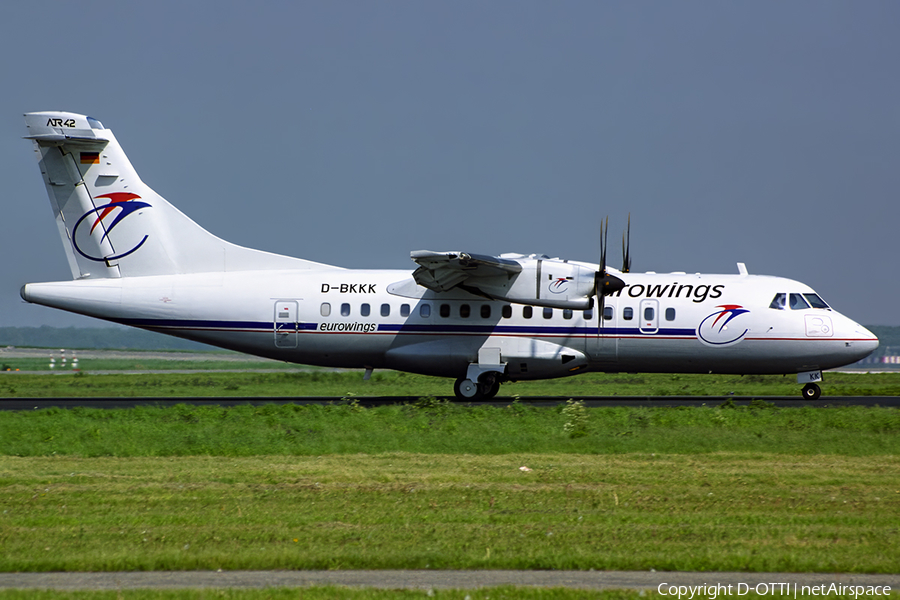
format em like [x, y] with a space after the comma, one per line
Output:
[352, 133]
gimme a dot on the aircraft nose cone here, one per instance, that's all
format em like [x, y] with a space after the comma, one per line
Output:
[864, 343]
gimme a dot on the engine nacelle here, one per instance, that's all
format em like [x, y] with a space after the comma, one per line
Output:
[542, 282]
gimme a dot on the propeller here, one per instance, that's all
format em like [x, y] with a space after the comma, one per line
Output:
[626, 247]
[604, 283]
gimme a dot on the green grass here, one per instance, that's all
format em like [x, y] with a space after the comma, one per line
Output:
[439, 485]
[441, 427]
[392, 383]
[721, 511]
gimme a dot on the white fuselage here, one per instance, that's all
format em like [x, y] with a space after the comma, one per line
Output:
[382, 319]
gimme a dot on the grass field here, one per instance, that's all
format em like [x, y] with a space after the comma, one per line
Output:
[431, 426]
[439, 485]
[391, 383]
[721, 511]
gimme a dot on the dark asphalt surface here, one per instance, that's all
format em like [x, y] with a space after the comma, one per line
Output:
[591, 401]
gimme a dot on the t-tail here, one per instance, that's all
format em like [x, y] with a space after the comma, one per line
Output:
[111, 223]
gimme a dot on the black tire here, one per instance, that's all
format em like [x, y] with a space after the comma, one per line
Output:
[811, 391]
[489, 388]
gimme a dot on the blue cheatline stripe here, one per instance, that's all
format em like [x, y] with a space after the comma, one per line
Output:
[400, 328]
[525, 329]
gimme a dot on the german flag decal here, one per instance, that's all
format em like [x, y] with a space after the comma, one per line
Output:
[90, 158]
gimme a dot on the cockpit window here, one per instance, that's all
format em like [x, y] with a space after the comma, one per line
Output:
[797, 302]
[815, 301]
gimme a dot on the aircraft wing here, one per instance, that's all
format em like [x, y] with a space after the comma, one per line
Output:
[442, 271]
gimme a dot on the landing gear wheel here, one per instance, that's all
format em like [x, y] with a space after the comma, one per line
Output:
[466, 389]
[489, 388]
[811, 391]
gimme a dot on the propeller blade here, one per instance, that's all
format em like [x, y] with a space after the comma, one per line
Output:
[604, 283]
[626, 248]
[604, 233]
[601, 300]
[600, 275]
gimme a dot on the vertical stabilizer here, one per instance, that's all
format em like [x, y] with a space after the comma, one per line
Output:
[111, 223]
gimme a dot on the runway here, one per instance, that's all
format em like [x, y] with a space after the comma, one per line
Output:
[662, 582]
[369, 402]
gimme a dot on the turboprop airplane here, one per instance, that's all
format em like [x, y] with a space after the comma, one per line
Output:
[482, 320]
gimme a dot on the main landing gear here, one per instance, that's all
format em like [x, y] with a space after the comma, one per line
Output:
[487, 387]
[482, 378]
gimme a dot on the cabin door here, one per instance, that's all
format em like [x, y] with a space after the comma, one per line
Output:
[286, 325]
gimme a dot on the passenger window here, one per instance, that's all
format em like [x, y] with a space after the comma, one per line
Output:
[607, 313]
[424, 310]
[364, 310]
[325, 310]
[345, 310]
[485, 311]
[628, 313]
[815, 301]
[445, 310]
[548, 313]
[670, 314]
[797, 302]
[589, 314]
[385, 310]
[404, 310]
[526, 312]
[649, 313]
[464, 311]
[567, 313]
[506, 311]
[778, 302]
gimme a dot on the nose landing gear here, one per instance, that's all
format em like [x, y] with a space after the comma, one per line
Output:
[811, 391]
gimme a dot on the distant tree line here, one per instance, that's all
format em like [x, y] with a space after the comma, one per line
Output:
[90, 338]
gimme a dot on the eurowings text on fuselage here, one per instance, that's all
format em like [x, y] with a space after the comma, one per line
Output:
[482, 320]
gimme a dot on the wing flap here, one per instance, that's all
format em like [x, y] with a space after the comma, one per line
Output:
[442, 271]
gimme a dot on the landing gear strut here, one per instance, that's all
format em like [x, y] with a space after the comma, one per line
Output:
[811, 391]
